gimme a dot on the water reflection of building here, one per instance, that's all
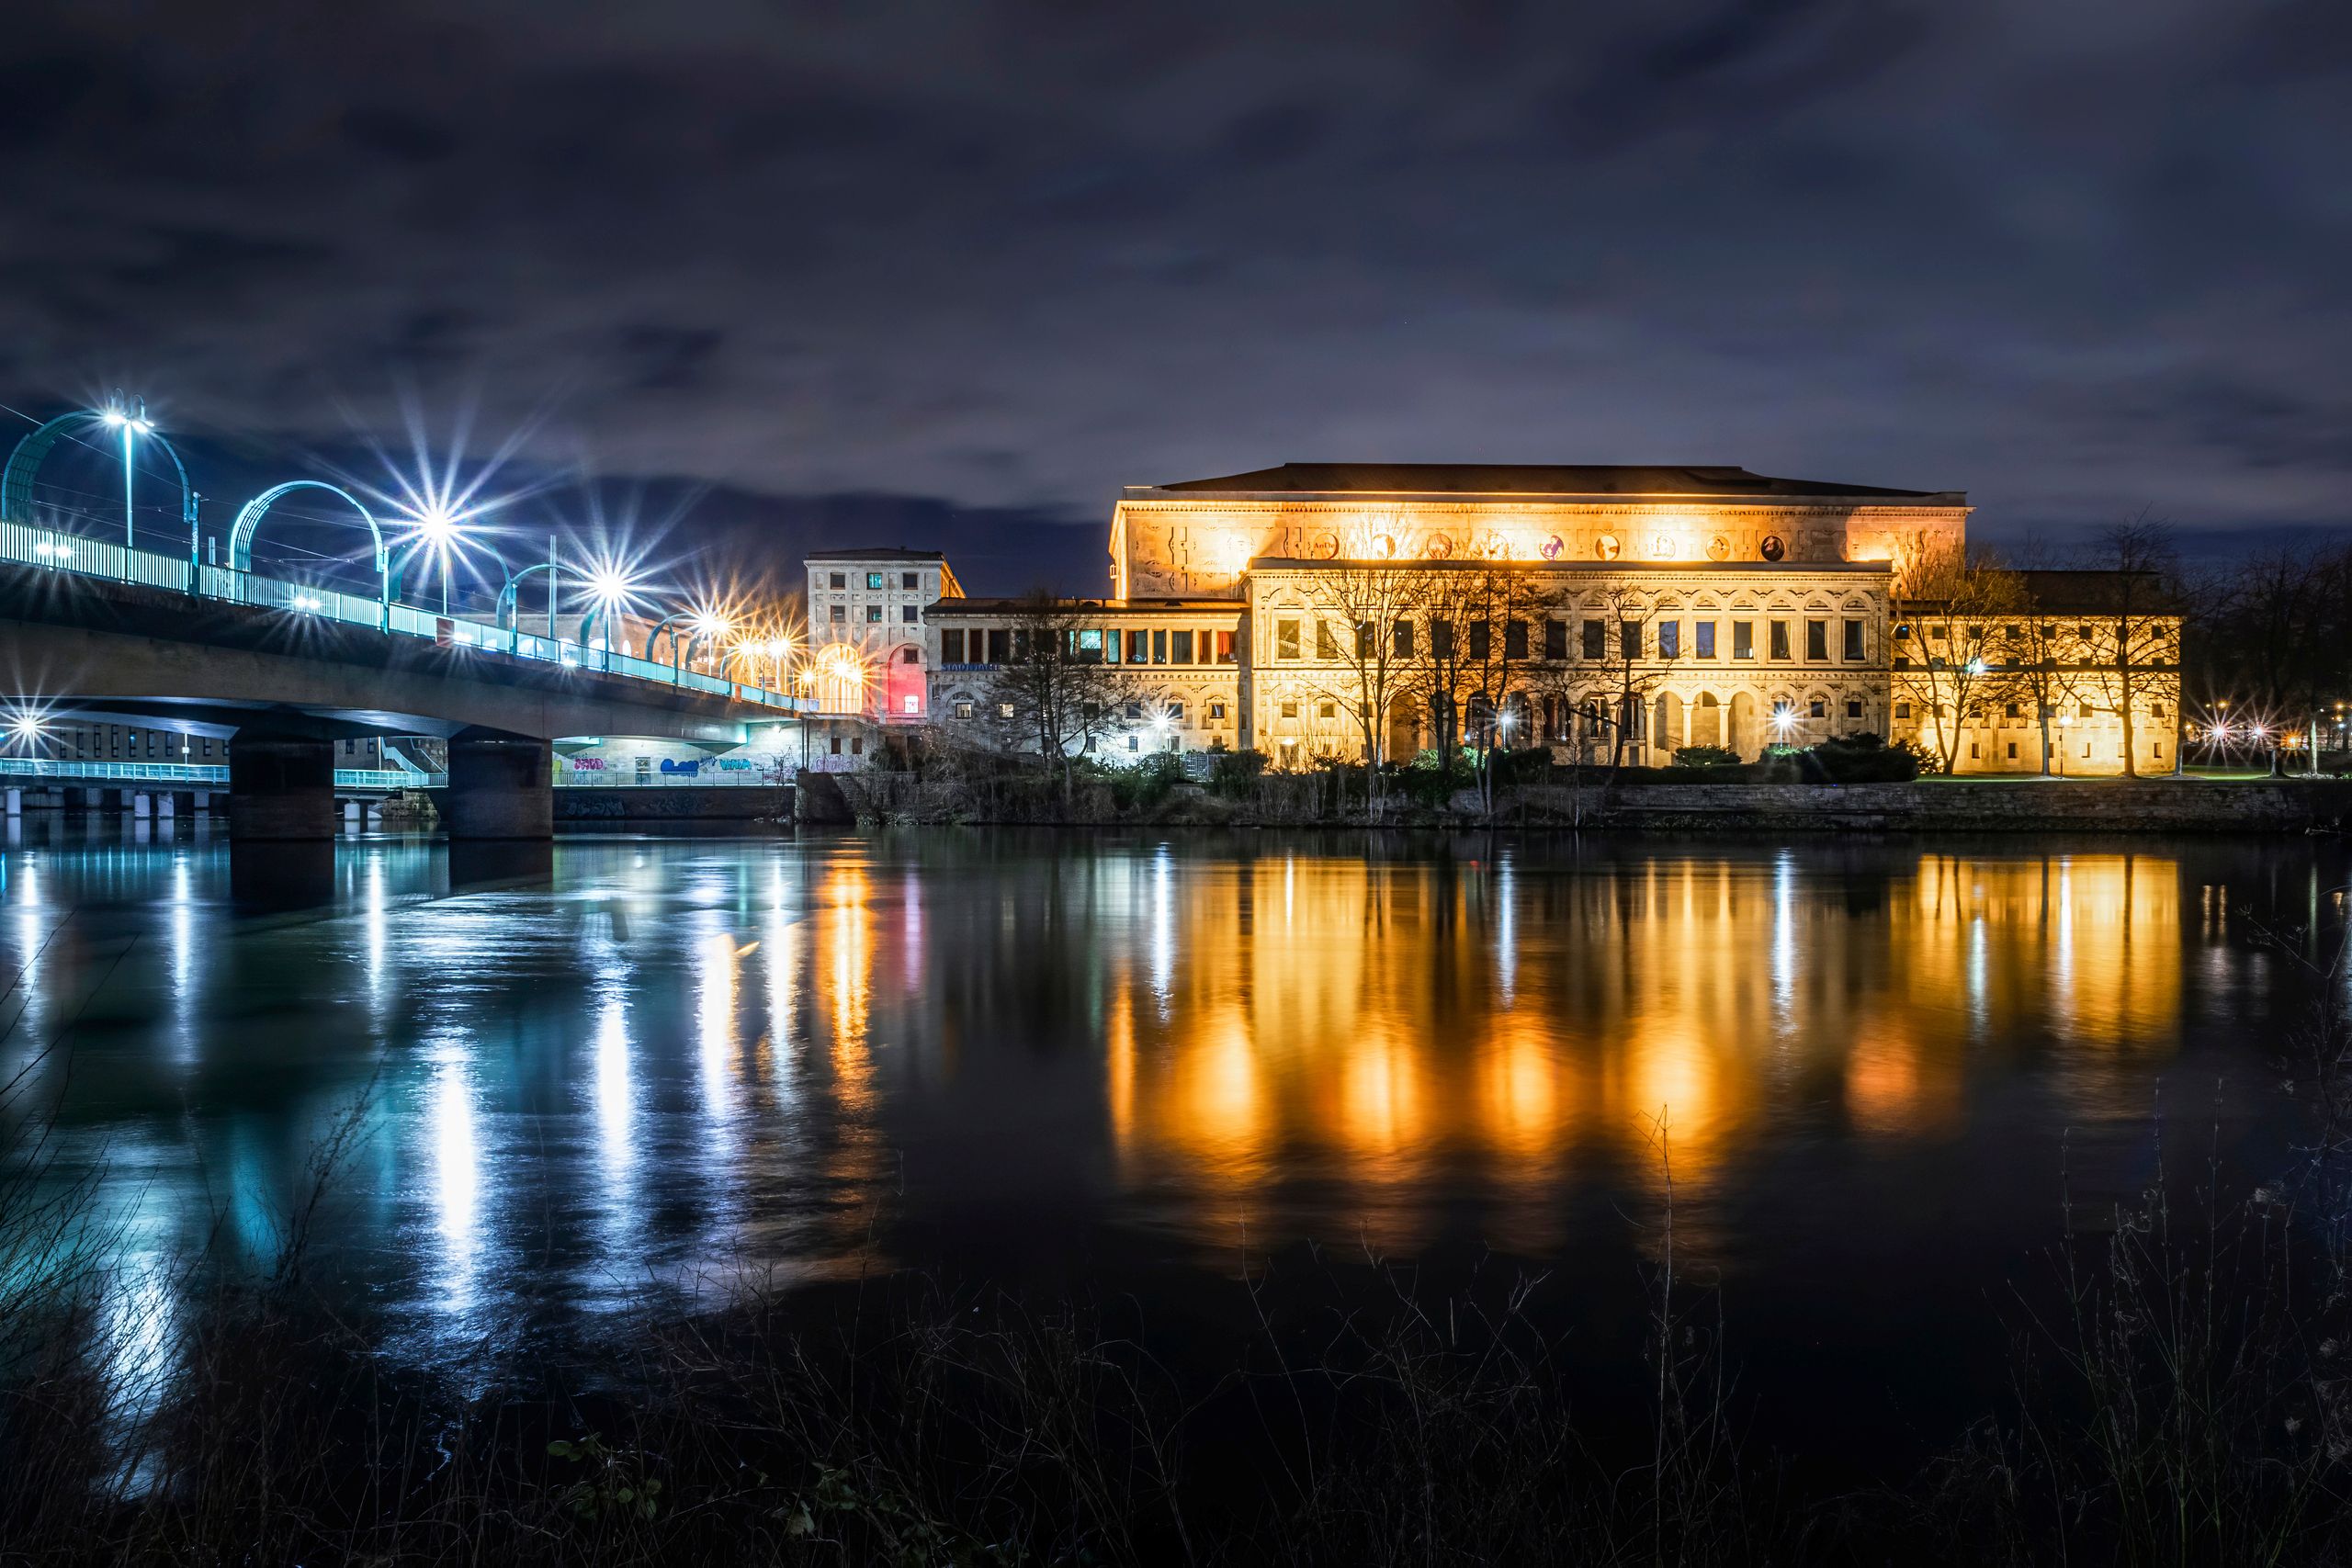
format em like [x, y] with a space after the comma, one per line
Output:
[1340, 1022]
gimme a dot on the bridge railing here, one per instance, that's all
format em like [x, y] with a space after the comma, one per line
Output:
[75, 770]
[22, 542]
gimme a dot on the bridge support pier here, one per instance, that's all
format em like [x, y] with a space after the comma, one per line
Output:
[15, 802]
[281, 786]
[500, 787]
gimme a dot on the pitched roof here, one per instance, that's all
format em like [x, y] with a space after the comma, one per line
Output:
[1514, 479]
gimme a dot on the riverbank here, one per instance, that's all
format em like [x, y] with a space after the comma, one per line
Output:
[1925, 805]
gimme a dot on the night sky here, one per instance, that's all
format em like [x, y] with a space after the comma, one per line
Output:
[951, 274]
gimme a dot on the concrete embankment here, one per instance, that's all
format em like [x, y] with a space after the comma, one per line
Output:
[760, 802]
[1937, 806]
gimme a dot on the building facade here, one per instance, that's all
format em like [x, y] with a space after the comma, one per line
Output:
[867, 654]
[1607, 611]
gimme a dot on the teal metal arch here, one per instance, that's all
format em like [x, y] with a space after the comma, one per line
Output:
[508, 613]
[241, 537]
[26, 458]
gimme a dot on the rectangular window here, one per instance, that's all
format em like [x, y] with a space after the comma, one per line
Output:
[1480, 639]
[1555, 641]
[1000, 646]
[1817, 708]
[873, 579]
[1138, 647]
[964, 710]
[1326, 647]
[1743, 640]
[1364, 640]
[1816, 640]
[1705, 631]
[1176, 711]
[907, 613]
[1400, 644]
[1327, 710]
[2013, 750]
[1285, 639]
[1090, 645]
[908, 579]
[1159, 648]
[873, 615]
[1780, 630]
[1225, 648]
[1440, 639]
[1854, 654]
[1596, 639]
[1515, 639]
[1903, 710]
[1217, 710]
[1853, 710]
[1180, 648]
[840, 580]
[2084, 711]
[1290, 710]
[907, 703]
[840, 614]
[1670, 639]
[1628, 640]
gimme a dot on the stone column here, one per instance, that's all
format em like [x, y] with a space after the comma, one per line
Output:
[500, 787]
[141, 805]
[281, 786]
[15, 802]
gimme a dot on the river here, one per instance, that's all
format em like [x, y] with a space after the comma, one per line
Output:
[625, 1068]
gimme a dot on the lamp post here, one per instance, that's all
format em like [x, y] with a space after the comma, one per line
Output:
[132, 423]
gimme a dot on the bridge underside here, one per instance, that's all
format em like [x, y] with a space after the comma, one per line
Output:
[286, 687]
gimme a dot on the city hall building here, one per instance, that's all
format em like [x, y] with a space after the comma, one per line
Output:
[1651, 608]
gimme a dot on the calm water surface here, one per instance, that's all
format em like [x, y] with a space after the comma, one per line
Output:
[611, 1070]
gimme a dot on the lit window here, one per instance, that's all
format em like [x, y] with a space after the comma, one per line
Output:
[1217, 710]
[910, 704]
[874, 613]
[1004, 710]
[964, 710]
[873, 579]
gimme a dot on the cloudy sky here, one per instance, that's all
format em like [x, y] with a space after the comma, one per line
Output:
[956, 271]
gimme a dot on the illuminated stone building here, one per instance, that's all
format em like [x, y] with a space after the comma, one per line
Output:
[2046, 687]
[1647, 607]
[866, 654]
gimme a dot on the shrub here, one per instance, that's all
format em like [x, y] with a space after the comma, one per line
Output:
[1234, 773]
[1705, 757]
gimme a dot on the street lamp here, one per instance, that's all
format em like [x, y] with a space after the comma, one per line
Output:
[133, 423]
[440, 532]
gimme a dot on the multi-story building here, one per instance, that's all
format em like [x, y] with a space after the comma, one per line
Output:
[867, 642]
[2059, 673]
[1174, 663]
[1603, 610]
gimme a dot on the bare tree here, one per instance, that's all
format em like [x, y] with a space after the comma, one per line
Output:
[1362, 664]
[1617, 642]
[1054, 694]
[2142, 618]
[1471, 628]
[1962, 617]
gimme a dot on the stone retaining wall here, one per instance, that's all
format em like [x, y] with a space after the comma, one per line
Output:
[575, 803]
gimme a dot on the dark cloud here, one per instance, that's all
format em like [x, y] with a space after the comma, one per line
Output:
[1000, 258]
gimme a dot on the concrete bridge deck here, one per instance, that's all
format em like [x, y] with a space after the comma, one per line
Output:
[287, 682]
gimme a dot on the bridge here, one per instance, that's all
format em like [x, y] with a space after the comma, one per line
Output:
[100, 630]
